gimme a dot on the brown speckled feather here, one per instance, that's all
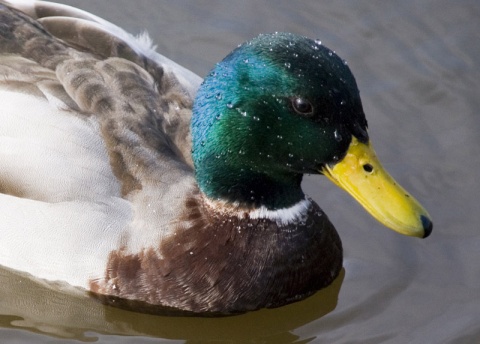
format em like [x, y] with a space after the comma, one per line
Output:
[84, 48]
[223, 264]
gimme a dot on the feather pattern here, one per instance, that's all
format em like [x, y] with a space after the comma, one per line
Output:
[97, 185]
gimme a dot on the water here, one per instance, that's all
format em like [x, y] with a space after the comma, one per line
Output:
[416, 63]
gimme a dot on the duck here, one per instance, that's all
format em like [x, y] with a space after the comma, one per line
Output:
[129, 177]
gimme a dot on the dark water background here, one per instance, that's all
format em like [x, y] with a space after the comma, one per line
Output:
[417, 67]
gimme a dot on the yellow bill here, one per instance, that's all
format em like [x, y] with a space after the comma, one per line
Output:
[362, 176]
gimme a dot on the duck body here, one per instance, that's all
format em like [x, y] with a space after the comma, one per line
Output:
[99, 188]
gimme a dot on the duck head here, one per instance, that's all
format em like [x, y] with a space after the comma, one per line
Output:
[283, 105]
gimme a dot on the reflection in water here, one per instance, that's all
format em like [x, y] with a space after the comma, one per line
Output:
[37, 308]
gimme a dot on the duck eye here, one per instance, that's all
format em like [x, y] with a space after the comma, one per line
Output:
[302, 106]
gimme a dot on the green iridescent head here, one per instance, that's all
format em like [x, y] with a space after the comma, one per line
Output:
[277, 107]
[282, 105]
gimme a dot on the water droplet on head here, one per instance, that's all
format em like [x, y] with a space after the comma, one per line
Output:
[229, 105]
[255, 118]
[338, 136]
[290, 155]
[246, 60]
[330, 53]
[295, 55]
[218, 96]
[318, 42]
[280, 137]
[287, 64]
[343, 102]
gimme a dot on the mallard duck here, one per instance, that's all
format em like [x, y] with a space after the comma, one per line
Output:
[126, 175]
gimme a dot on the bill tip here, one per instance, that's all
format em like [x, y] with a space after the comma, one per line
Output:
[427, 225]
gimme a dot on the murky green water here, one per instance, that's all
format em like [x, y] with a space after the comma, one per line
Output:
[416, 63]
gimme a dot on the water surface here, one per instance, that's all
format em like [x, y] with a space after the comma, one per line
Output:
[416, 64]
